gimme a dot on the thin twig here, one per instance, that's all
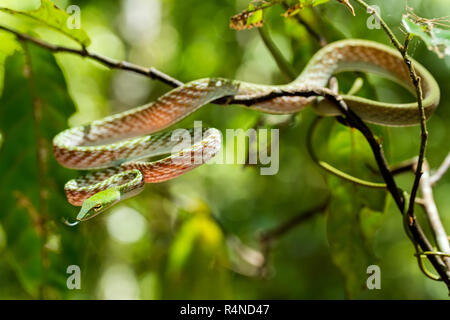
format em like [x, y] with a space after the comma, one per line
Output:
[111, 63]
[322, 41]
[286, 69]
[383, 24]
[433, 215]
[276, 232]
[441, 171]
[423, 127]
[284, 66]
[269, 236]
[419, 95]
[405, 166]
[329, 168]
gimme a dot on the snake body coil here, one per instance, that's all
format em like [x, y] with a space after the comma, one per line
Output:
[119, 144]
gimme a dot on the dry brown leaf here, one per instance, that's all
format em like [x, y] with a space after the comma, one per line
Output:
[240, 21]
[348, 5]
[292, 10]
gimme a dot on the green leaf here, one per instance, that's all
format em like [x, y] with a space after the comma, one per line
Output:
[370, 222]
[34, 107]
[53, 17]
[8, 45]
[197, 258]
[436, 39]
[308, 3]
[3, 240]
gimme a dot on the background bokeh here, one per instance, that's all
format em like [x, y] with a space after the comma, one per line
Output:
[197, 236]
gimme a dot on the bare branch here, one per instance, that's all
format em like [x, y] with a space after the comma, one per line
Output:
[282, 63]
[268, 236]
[276, 232]
[111, 63]
[433, 215]
[441, 171]
[322, 41]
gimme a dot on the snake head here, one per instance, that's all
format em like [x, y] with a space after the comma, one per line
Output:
[98, 203]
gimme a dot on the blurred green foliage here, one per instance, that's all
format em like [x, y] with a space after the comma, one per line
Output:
[197, 236]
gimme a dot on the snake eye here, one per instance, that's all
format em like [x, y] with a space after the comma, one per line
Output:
[97, 207]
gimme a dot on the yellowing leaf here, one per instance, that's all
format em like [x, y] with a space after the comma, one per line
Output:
[302, 4]
[292, 10]
[252, 16]
[247, 20]
[199, 233]
[318, 2]
[8, 45]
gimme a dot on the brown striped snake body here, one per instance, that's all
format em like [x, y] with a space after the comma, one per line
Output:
[119, 144]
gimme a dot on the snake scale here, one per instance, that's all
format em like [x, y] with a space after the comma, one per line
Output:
[119, 145]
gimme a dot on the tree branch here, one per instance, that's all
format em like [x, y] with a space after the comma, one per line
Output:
[441, 171]
[267, 237]
[272, 234]
[433, 215]
[110, 63]
[281, 62]
[322, 41]
[419, 95]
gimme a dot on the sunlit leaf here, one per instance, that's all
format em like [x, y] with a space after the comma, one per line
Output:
[319, 2]
[197, 258]
[306, 3]
[255, 19]
[51, 16]
[297, 7]
[8, 45]
[293, 10]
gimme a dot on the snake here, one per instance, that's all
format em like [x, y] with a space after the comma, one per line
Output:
[123, 149]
